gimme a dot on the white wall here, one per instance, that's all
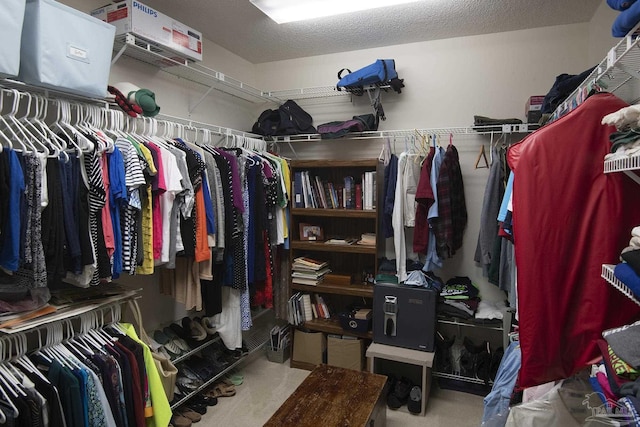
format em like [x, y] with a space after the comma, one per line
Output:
[600, 38]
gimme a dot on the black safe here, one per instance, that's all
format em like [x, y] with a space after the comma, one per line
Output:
[404, 316]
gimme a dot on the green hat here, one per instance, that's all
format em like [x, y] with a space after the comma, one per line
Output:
[146, 100]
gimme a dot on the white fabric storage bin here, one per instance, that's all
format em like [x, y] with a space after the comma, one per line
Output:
[11, 18]
[65, 49]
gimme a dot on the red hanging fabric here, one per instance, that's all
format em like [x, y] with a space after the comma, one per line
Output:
[569, 218]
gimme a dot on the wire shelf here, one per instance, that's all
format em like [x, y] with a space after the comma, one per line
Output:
[621, 165]
[607, 274]
[618, 73]
[133, 47]
[470, 130]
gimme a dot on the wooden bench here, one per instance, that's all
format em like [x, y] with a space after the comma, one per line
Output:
[332, 397]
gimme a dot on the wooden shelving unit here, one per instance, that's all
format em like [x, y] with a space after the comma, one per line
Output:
[345, 259]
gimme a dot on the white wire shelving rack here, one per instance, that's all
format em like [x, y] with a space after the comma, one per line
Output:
[618, 73]
[150, 53]
[626, 165]
[608, 275]
[468, 130]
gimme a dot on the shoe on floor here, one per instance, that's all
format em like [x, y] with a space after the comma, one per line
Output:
[180, 421]
[208, 325]
[191, 415]
[194, 329]
[400, 393]
[414, 405]
[197, 407]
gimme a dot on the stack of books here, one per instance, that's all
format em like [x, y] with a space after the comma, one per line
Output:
[302, 308]
[308, 271]
[368, 239]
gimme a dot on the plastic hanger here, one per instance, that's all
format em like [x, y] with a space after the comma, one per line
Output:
[46, 138]
[10, 122]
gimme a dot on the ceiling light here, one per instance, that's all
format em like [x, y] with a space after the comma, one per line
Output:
[283, 11]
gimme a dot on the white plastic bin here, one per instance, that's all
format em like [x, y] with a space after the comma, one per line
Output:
[65, 49]
[11, 18]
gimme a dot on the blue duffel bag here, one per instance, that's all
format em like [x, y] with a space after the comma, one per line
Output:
[381, 71]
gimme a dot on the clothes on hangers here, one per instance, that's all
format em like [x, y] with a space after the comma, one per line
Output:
[107, 381]
[206, 213]
[429, 196]
[539, 162]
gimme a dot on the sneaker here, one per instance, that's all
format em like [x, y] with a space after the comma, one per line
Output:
[414, 405]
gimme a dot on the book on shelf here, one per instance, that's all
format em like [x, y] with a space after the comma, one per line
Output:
[309, 273]
[368, 189]
[324, 309]
[305, 281]
[358, 196]
[306, 306]
[368, 239]
[310, 263]
[298, 201]
[327, 195]
[340, 241]
[320, 191]
[349, 193]
[340, 195]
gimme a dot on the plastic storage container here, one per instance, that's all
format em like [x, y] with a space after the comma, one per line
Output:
[280, 355]
[11, 19]
[65, 49]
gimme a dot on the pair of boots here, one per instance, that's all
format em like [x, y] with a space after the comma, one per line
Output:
[402, 391]
[465, 358]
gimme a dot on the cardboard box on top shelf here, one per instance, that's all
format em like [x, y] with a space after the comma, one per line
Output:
[533, 107]
[131, 16]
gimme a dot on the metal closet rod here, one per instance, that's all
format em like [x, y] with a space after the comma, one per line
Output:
[9, 88]
[219, 130]
[54, 332]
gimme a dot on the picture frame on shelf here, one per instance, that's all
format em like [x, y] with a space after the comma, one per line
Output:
[311, 232]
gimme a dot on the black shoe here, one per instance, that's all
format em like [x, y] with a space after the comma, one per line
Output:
[414, 405]
[400, 393]
[443, 353]
[198, 407]
[205, 400]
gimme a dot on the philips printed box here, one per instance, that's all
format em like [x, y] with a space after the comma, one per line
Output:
[133, 17]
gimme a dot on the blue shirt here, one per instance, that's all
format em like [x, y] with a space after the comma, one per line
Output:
[117, 198]
[10, 238]
[502, 213]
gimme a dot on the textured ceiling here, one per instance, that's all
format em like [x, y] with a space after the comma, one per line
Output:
[241, 28]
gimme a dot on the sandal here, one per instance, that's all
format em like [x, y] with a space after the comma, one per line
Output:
[235, 378]
[221, 390]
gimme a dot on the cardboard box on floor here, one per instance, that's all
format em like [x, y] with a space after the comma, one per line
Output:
[345, 353]
[309, 347]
